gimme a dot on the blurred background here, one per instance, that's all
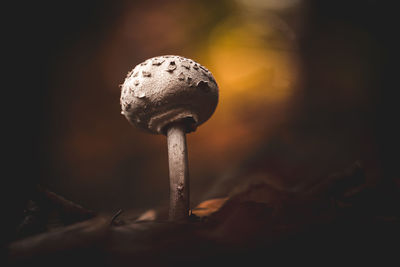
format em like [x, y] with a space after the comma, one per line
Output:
[306, 89]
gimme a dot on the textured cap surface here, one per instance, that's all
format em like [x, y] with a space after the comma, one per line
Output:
[167, 89]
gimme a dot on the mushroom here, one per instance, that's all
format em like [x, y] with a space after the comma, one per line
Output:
[171, 95]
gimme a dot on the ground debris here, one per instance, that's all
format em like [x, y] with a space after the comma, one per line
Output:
[339, 214]
[47, 210]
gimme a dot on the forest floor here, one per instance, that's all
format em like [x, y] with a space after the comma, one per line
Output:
[342, 219]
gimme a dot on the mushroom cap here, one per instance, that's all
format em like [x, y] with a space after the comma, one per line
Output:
[168, 89]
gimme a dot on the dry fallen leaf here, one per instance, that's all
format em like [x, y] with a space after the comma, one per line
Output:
[208, 207]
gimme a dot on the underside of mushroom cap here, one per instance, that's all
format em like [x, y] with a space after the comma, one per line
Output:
[167, 89]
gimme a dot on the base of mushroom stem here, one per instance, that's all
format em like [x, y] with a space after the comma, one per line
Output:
[178, 217]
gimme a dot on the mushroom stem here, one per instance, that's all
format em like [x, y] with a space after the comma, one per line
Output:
[178, 172]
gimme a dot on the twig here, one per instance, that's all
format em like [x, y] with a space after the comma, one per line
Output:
[115, 216]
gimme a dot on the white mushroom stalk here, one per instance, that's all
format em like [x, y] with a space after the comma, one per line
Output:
[171, 95]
